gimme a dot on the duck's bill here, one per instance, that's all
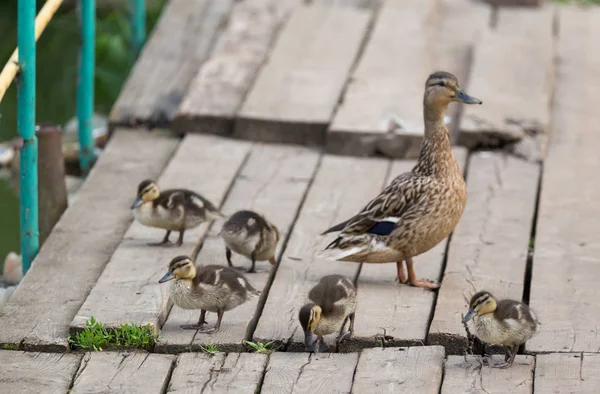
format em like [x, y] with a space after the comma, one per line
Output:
[309, 343]
[462, 97]
[168, 276]
[469, 315]
[136, 203]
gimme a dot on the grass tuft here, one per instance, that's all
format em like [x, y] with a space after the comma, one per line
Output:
[210, 348]
[97, 337]
[259, 347]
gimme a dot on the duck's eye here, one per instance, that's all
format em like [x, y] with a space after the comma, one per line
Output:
[441, 83]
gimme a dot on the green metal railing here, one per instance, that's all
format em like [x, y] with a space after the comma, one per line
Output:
[22, 67]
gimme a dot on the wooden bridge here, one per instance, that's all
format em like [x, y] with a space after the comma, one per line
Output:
[304, 112]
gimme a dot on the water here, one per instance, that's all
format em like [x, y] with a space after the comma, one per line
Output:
[57, 70]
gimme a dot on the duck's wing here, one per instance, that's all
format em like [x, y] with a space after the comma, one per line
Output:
[384, 212]
[330, 290]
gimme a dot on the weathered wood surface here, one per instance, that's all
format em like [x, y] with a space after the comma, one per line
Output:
[471, 374]
[415, 370]
[298, 89]
[128, 290]
[567, 373]
[490, 243]
[116, 372]
[400, 312]
[217, 91]
[65, 270]
[457, 27]
[181, 40]
[567, 249]
[273, 183]
[26, 373]
[372, 4]
[305, 373]
[341, 187]
[387, 84]
[515, 90]
[219, 373]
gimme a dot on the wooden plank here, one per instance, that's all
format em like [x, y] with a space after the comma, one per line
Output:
[298, 89]
[219, 373]
[372, 4]
[404, 316]
[566, 259]
[516, 90]
[37, 372]
[567, 373]
[415, 370]
[74, 255]
[342, 186]
[390, 77]
[302, 373]
[469, 374]
[457, 27]
[490, 243]
[273, 182]
[128, 290]
[116, 372]
[181, 40]
[217, 91]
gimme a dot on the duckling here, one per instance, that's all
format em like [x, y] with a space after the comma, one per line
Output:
[420, 208]
[172, 210]
[333, 300]
[508, 323]
[12, 273]
[251, 235]
[213, 288]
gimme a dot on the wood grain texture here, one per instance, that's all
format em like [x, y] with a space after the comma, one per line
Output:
[489, 246]
[298, 89]
[74, 255]
[470, 374]
[372, 4]
[342, 186]
[217, 91]
[273, 182]
[128, 290]
[181, 40]
[116, 372]
[305, 373]
[515, 90]
[415, 370]
[567, 249]
[397, 313]
[567, 373]
[22, 372]
[219, 373]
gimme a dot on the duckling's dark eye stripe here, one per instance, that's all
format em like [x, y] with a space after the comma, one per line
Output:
[482, 300]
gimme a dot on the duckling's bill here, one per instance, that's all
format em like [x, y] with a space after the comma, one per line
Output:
[463, 97]
[167, 277]
[470, 313]
[138, 201]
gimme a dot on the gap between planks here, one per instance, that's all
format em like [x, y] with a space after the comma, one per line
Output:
[75, 253]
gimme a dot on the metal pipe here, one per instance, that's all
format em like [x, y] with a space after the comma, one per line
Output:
[138, 25]
[85, 86]
[26, 125]
[12, 67]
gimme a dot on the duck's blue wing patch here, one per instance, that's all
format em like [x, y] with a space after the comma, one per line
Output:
[382, 228]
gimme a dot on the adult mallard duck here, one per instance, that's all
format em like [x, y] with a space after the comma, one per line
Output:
[419, 208]
[508, 323]
[172, 210]
[333, 300]
[212, 288]
[251, 235]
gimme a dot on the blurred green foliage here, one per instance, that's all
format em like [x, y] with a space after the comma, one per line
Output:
[56, 81]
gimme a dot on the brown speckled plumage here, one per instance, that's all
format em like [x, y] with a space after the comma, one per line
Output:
[419, 208]
[213, 288]
[250, 235]
[508, 323]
